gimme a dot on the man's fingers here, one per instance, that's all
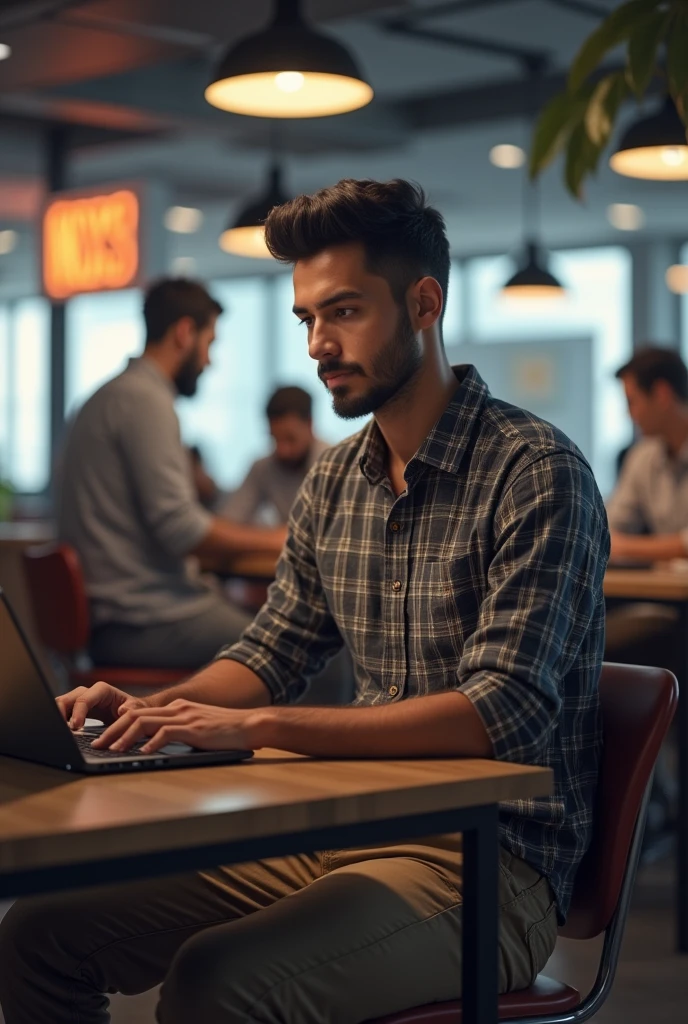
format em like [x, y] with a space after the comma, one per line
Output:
[168, 734]
[120, 729]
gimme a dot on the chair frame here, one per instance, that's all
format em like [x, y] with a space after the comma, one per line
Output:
[613, 936]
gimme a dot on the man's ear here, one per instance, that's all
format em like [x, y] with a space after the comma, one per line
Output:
[184, 335]
[425, 301]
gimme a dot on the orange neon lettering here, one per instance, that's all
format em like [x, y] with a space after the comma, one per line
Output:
[90, 244]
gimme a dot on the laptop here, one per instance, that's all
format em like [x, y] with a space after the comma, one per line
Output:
[32, 727]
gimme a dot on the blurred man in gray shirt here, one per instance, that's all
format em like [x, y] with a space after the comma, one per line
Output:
[648, 510]
[268, 492]
[126, 500]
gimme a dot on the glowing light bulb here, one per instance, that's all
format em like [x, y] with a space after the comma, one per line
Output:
[289, 81]
[673, 156]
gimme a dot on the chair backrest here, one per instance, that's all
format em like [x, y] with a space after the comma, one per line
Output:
[58, 597]
[638, 705]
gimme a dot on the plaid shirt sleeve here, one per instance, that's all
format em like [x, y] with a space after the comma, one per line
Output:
[294, 635]
[544, 586]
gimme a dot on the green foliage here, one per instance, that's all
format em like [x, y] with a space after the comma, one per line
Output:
[581, 120]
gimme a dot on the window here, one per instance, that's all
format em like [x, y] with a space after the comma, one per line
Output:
[226, 416]
[103, 331]
[25, 394]
[599, 305]
[684, 310]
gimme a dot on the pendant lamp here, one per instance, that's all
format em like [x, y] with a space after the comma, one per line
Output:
[654, 148]
[288, 70]
[246, 235]
[533, 280]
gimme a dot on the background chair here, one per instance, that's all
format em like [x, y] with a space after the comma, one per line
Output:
[60, 606]
[638, 705]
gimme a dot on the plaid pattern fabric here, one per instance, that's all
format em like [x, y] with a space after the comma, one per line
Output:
[485, 577]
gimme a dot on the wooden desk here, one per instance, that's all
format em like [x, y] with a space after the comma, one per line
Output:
[666, 586]
[59, 831]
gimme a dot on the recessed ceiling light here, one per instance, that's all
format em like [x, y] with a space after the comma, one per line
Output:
[8, 241]
[183, 265]
[677, 279]
[625, 216]
[5, 51]
[184, 220]
[507, 156]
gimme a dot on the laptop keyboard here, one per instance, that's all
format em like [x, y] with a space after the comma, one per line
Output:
[85, 739]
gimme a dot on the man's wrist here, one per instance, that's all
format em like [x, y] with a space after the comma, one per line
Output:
[261, 728]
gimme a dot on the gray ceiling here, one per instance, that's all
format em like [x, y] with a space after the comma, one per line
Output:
[450, 79]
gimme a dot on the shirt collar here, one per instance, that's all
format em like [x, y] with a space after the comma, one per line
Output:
[445, 445]
[138, 364]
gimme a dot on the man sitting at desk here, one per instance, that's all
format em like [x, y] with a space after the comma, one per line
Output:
[126, 500]
[272, 483]
[457, 545]
[648, 511]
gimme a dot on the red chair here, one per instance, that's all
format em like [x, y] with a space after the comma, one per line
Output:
[638, 705]
[60, 608]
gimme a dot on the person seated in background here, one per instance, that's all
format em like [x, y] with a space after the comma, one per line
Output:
[127, 504]
[648, 519]
[272, 483]
[648, 509]
[457, 546]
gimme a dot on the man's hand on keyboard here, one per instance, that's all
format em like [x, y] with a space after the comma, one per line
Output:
[98, 701]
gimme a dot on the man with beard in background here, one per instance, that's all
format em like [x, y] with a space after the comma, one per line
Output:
[126, 500]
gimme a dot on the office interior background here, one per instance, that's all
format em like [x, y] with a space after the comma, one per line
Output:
[108, 91]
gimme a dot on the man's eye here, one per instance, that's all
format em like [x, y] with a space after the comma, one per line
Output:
[306, 322]
[346, 311]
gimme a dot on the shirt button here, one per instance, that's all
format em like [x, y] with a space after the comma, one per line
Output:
[393, 691]
[396, 586]
[395, 527]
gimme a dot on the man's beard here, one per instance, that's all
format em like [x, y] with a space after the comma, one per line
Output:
[392, 371]
[186, 379]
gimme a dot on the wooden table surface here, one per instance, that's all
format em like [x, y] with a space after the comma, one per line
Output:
[658, 584]
[23, 534]
[49, 818]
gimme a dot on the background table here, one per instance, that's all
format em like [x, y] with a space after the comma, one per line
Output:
[670, 587]
[15, 538]
[61, 831]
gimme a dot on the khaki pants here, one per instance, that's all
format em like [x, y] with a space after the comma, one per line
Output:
[332, 938]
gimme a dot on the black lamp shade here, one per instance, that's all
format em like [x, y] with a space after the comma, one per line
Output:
[245, 236]
[319, 75]
[533, 280]
[654, 148]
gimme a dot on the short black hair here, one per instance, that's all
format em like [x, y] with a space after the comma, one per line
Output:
[170, 299]
[290, 401]
[403, 237]
[651, 363]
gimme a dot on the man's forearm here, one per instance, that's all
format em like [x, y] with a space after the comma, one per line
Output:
[659, 548]
[225, 539]
[225, 683]
[441, 725]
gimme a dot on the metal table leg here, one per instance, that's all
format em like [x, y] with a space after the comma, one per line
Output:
[481, 918]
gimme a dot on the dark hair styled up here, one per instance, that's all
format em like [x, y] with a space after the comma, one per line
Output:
[290, 401]
[171, 299]
[404, 239]
[651, 364]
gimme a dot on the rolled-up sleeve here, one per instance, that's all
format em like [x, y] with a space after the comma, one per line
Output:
[551, 546]
[160, 474]
[294, 635]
